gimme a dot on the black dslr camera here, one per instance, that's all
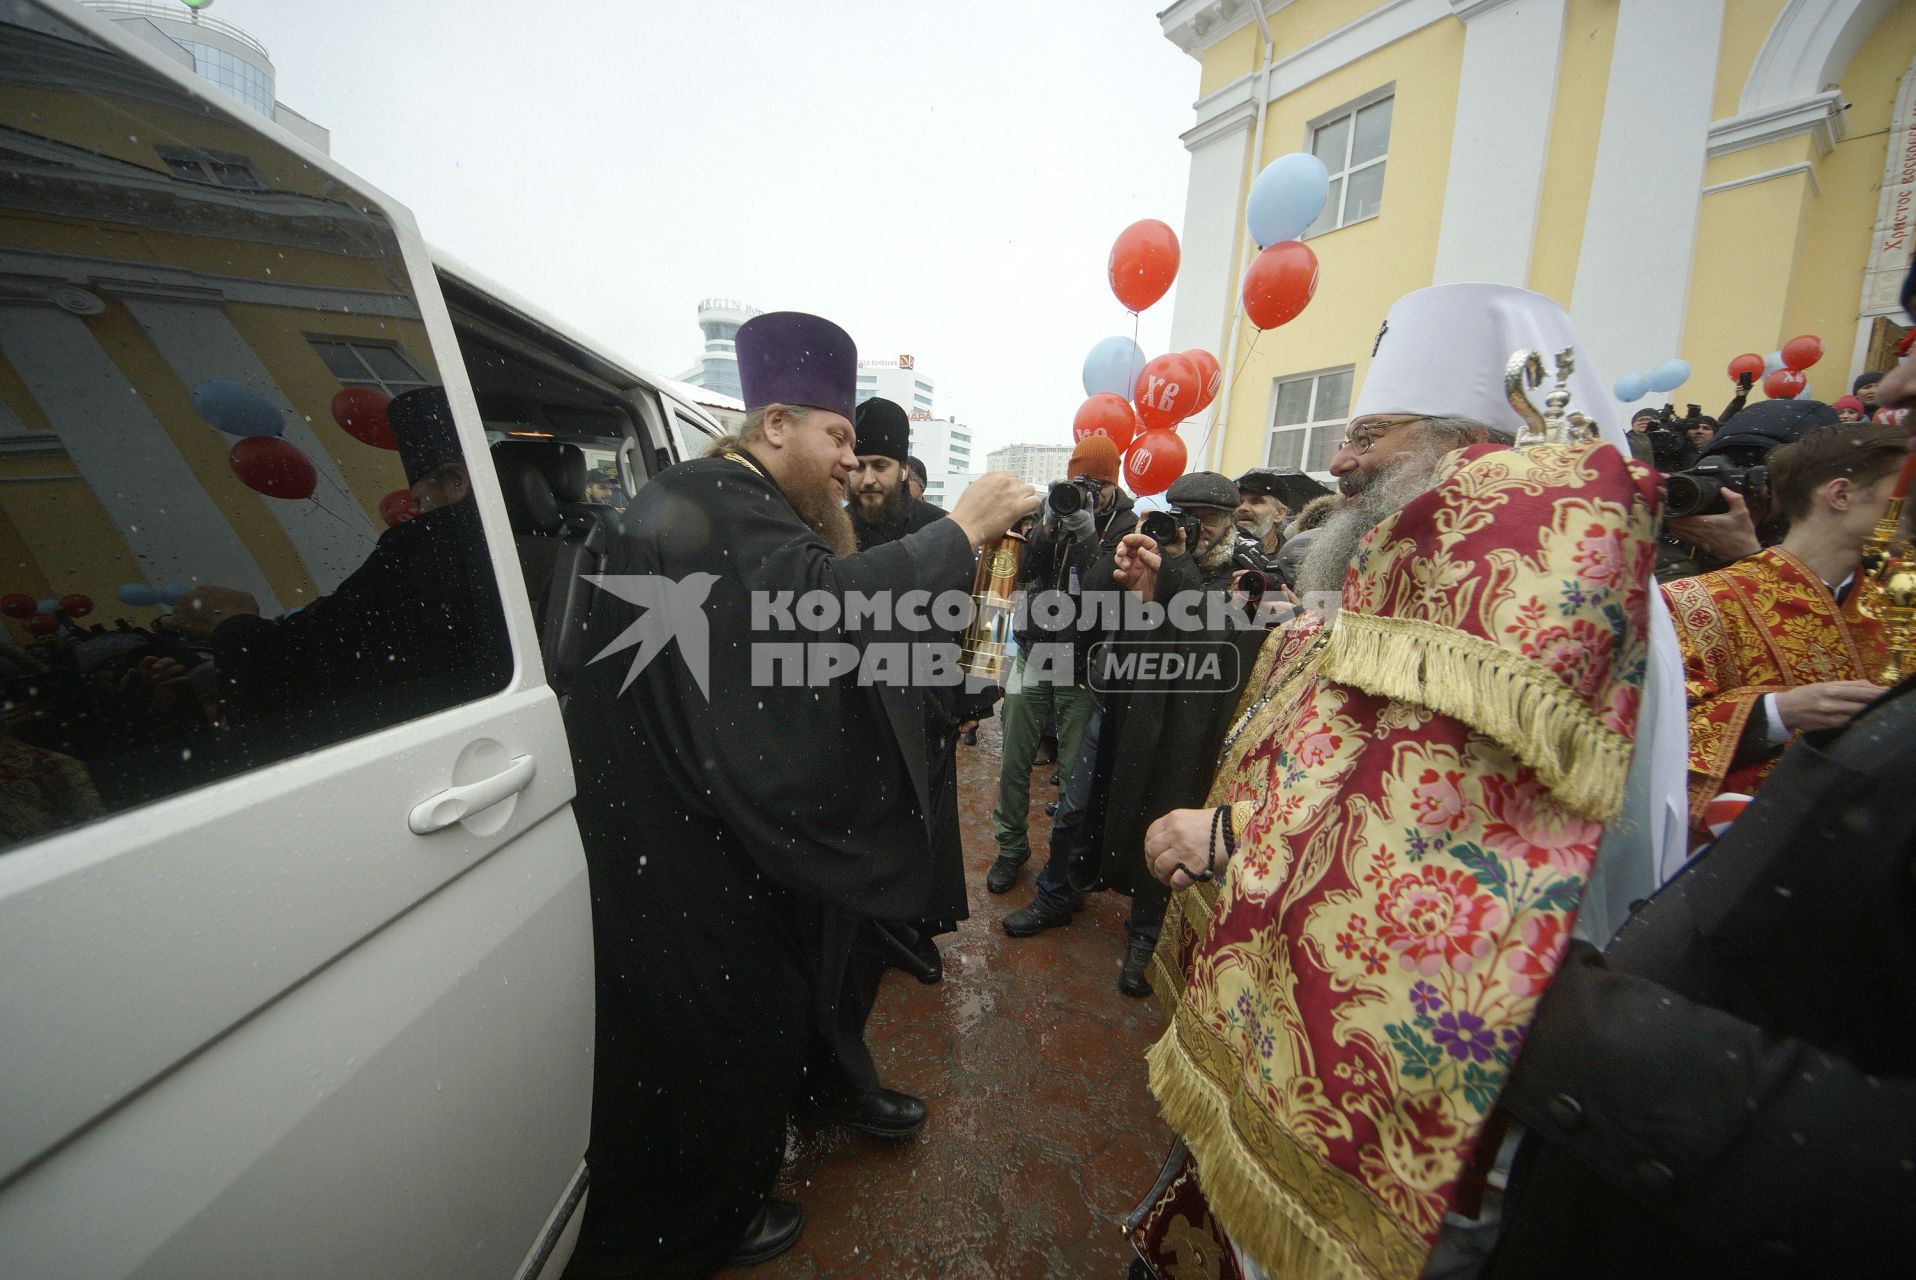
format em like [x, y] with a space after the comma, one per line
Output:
[1068, 497]
[1259, 572]
[1670, 447]
[1699, 491]
[1162, 528]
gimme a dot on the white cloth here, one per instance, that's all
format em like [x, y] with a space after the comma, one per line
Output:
[1443, 351]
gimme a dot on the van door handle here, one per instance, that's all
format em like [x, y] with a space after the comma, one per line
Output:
[457, 803]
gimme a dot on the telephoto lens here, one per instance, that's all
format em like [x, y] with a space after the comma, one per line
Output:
[1159, 526]
[1065, 498]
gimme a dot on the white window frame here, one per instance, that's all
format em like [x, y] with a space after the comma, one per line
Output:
[1341, 177]
[1314, 423]
[370, 379]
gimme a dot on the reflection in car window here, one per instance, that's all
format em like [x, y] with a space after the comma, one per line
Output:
[235, 521]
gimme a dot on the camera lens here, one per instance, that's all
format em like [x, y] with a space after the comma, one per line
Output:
[1065, 498]
[1159, 526]
[1694, 495]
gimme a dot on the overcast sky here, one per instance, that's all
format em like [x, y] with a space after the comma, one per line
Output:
[941, 177]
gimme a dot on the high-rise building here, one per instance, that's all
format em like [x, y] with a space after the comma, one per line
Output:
[717, 369]
[1037, 464]
[224, 56]
[944, 447]
[898, 381]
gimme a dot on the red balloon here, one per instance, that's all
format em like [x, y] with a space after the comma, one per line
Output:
[18, 604]
[1105, 414]
[269, 465]
[1210, 376]
[1144, 261]
[400, 506]
[42, 624]
[75, 605]
[1784, 384]
[1749, 362]
[361, 411]
[1280, 284]
[1800, 353]
[1156, 459]
[1167, 391]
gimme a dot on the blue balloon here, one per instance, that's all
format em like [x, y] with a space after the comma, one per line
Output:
[1669, 375]
[1113, 365]
[237, 410]
[170, 594]
[1286, 198]
[1632, 386]
[137, 594]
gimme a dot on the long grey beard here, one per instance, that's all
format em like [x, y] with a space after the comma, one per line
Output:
[1337, 539]
[1216, 557]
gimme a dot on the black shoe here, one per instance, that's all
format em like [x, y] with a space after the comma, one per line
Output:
[774, 1229]
[1137, 961]
[883, 1113]
[932, 964]
[1051, 809]
[1035, 917]
[1056, 777]
[1004, 872]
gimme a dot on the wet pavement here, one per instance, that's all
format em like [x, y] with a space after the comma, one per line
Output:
[1042, 1133]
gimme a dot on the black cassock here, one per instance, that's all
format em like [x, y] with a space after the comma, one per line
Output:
[733, 842]
[945, 709]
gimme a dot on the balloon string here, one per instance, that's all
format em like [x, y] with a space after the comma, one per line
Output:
[335, 515]
[1242, 365]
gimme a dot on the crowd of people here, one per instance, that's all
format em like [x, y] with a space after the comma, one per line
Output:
[1470, 966]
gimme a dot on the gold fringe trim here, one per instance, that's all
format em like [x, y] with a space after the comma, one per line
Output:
[1262, 1216]
[1512, 699]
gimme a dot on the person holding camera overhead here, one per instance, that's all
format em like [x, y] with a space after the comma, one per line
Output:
[1777, 644]
[1083, 517]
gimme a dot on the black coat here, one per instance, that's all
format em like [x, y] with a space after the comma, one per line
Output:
[945, 709]
[1158, 749]
[733, 842]
[1054, 561]
[1731, 1089]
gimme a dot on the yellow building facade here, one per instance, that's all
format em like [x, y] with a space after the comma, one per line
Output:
[1692, 179]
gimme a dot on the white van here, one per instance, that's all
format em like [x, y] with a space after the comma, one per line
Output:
[295, 936]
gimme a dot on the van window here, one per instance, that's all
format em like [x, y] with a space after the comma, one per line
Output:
[235, 521]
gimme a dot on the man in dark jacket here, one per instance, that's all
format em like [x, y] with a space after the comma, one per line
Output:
[1730, 1089]
[1155, 747]
[1045, 678]
[884, 510]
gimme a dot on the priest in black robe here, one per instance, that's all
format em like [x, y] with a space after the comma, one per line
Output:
[740, 817]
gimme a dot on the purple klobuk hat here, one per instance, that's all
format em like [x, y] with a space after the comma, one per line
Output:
[789, 357]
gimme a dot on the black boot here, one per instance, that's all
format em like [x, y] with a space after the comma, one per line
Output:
[1035, 917]
[1004, 872]
[774, 1230]
[1137, 962]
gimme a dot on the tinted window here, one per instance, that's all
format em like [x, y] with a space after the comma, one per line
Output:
[209, 559]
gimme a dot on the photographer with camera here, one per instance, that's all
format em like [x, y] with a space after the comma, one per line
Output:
[1778, 643]
[1154, 745]
[1083, 517]
[1718, 509]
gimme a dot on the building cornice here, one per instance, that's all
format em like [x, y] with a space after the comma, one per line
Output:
[1803, 167]
[1819, 115]
[1470, 10]
[1221, 114]
[1384, 25]
[1195, 25]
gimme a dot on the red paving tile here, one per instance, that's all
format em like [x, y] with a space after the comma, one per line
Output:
[1042, 1134]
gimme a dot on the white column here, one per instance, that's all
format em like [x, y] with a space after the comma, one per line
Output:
[1501, 139]
[1213, 211]
[176, 531]
[1639, 234]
